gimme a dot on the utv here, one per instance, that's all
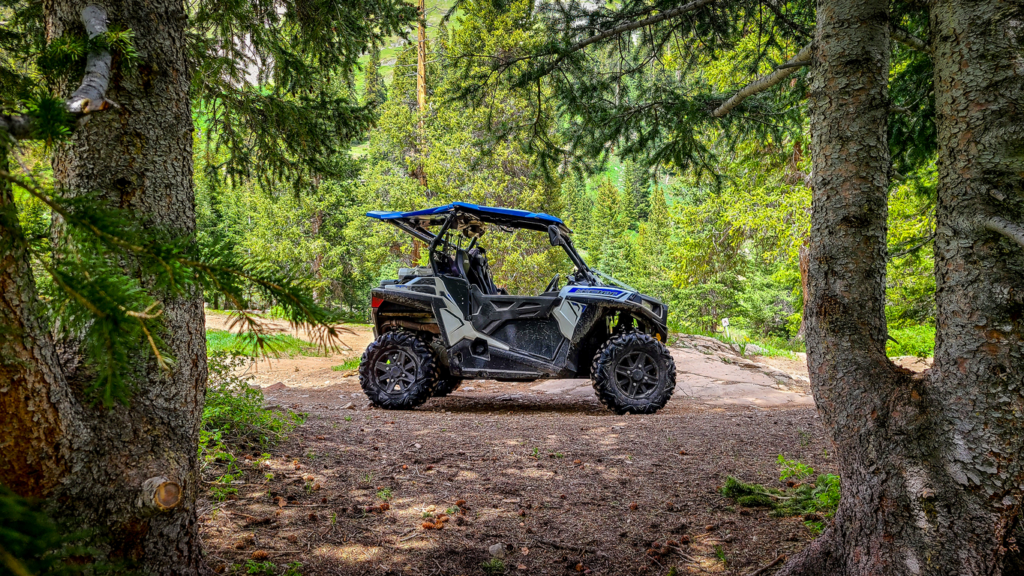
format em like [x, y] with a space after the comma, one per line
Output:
[438, 325]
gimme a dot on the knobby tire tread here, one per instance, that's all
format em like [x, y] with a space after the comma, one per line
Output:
[603, 369]
[425, 384]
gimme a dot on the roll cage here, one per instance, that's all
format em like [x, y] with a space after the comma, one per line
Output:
[460, 220]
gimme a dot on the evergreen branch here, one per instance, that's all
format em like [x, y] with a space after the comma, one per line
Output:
[913, 248]
[619, 30]
[91, 93]
[1011, 230]
[152, 344]
[802, 58]
[909, 40]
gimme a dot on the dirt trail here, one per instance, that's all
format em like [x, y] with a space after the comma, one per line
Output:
[551, 481]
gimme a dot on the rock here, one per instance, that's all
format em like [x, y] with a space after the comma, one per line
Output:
[276, 386]
[497, 550]
[753, 350]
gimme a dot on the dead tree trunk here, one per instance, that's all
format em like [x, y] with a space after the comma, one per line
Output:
[130, 472]
[931, 466]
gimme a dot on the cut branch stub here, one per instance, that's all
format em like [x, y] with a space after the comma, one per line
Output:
[160, 494]
[91, 94]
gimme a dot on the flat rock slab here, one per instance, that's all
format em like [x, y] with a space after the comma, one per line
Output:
[708, 379]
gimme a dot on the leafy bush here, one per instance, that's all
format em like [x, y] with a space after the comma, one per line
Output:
[234, 417]
[234, 410]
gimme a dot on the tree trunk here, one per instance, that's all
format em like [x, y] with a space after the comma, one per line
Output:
[930, 466]
[863, 398]
[129, 472]
[976, 396]
[35, 407]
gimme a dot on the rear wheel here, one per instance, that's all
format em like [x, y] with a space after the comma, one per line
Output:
[633, 373]
[398, 371]
[446, 385]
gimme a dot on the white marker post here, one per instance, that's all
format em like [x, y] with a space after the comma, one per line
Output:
[725, 324]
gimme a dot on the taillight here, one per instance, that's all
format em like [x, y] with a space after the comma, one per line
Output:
[375, 301]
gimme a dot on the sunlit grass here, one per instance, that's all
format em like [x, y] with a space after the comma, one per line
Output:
[275, 345]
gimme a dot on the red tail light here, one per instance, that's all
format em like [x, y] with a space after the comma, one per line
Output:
[375, 301]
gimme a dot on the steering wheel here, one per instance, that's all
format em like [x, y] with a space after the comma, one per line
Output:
[553, 285]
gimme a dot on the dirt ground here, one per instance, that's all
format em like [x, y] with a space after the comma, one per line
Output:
[552, 483]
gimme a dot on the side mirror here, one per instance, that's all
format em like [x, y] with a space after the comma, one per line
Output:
[555, 236]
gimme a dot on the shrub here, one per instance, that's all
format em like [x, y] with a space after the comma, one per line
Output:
[234, 410]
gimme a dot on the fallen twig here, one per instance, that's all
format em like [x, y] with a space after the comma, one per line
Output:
[765, 569]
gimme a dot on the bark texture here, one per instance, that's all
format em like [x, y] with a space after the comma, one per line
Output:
[99, 465]
[35, 407]
[931, 466]
[865, 401]
[976, 395]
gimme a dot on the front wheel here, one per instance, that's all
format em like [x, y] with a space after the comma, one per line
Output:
[398, 371]
[633, 373]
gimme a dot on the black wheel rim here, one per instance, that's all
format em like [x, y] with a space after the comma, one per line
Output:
[396, 373]
[636, 374]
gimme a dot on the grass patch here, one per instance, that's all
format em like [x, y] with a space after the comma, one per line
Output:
[223, 341]
[350, 364]
[816, 500]
[493, 566]
[911, 341]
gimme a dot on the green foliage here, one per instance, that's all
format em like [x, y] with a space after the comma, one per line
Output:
[375, 91]
[493, 566]
[31, 542]
[793, 469]
[256, 568]
[93, 296]
[911, 341]
[234, 414]
[350, 364]
[820, 497]
[290, 118]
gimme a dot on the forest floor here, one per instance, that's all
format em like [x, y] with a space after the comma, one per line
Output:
[549, 481]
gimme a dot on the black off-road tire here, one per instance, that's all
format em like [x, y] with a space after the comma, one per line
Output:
[446, 385]
[398, 371]
[633, 373]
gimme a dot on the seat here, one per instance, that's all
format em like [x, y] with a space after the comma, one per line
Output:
[479, 273]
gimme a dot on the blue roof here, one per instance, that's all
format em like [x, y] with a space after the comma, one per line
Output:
[465, 206]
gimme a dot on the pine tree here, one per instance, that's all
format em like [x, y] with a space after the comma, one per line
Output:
[375, 91]
[636, 185]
